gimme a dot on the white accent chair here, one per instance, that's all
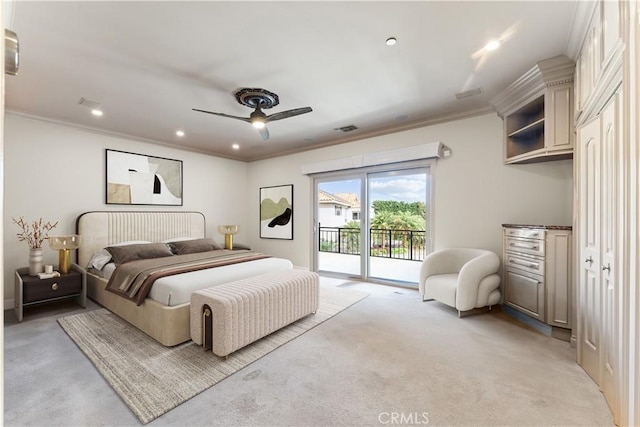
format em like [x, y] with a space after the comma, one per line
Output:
[462, 278]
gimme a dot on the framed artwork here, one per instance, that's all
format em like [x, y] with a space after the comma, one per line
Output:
[276, 212]
[137, 179]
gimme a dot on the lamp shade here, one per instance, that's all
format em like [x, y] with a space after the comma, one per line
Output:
[228, 229]
[64, 242]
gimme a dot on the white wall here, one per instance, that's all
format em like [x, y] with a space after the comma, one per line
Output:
[327, 215]
[57, 172]
[474, 191]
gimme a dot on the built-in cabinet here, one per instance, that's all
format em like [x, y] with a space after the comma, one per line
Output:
[537, 111]
[537, 273]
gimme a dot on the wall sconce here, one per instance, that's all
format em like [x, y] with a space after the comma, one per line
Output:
[228, 231]
[64, 244]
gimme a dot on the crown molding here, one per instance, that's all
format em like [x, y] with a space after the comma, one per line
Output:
[546, 73]
[579, 27]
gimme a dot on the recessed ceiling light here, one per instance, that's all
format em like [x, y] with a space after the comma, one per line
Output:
[391, 41]
[235, 146]
[492, 45]
[180, 133]
[97, 112]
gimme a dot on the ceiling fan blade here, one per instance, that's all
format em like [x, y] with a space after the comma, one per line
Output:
[264, 133]
[244, 119]
[289, 113]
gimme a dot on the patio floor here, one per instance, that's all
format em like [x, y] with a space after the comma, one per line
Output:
[380, 268]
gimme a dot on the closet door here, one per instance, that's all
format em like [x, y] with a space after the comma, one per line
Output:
[598, 286]
[611, 138]
[589, 295]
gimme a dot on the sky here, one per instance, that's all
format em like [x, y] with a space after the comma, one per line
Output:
[401, 187]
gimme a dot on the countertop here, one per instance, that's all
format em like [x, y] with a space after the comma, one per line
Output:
[545, 227]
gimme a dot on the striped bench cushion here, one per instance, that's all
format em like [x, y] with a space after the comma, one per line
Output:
[246, 310]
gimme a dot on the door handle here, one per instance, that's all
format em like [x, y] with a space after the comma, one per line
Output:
[607, 268]
[589, 260]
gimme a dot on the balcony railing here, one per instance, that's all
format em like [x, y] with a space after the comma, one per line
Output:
[397, 244]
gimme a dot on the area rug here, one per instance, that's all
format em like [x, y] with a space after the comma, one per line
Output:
[153, 379]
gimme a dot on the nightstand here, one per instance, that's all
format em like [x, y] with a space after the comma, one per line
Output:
[29, 290]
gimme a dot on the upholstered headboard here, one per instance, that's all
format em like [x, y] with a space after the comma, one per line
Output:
[104, 228]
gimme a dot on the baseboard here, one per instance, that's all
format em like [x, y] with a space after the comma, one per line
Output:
[535, 324]
[561, 333]
[548, 330]
[8, 304]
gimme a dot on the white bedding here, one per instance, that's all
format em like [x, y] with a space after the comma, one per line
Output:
[176, 290]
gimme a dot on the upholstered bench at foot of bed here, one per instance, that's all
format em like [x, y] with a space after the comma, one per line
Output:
[246, 310]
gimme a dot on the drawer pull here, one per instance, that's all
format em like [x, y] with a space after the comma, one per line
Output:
[530, 265]
[515, 233]
[54, 286]
[515, 245]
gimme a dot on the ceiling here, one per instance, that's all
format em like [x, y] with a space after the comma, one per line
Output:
[149, 63]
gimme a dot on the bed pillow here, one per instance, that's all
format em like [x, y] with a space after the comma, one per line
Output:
[103, 257]
[122, 254]
[99, 259]
[193, 246]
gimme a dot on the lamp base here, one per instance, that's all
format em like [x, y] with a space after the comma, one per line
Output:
[228, 241]
[64, 261]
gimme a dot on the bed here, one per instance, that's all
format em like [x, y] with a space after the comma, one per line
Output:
[158, 316]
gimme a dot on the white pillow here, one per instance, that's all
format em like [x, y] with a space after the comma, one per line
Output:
[99, 259]
[103, 257]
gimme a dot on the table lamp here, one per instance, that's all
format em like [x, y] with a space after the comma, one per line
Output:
[64, 244]
[228, 231]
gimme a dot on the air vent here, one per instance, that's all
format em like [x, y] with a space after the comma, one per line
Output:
[89, 104]
[467, 94]
[347, 128]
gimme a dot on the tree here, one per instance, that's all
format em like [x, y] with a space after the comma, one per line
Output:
[395, 207]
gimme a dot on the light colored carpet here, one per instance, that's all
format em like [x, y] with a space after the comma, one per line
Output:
[153, 379]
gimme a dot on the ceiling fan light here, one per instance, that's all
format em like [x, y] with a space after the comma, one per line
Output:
[257, 123]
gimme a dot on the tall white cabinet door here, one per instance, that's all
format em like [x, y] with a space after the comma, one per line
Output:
[611, 138]
[589, 291]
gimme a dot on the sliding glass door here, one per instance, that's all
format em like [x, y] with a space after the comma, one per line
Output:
[373, 224]
[338, 221]
[397, 224]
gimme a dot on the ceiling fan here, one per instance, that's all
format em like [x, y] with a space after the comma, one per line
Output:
[260, 99]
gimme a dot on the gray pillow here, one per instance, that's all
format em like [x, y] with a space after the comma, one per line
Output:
[122, 254]
[193, 246]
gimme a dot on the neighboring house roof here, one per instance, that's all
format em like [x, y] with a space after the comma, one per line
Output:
[352, 198]
[324, 197]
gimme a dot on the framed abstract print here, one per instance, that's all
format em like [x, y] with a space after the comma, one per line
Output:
[138, 179]
[276, 212]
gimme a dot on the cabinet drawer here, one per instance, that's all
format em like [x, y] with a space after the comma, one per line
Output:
[524, 233]
[44, 289]
[521, 262]
[525, 292]
[525, 246]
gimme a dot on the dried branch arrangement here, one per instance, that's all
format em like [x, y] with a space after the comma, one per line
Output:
[35, 233]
